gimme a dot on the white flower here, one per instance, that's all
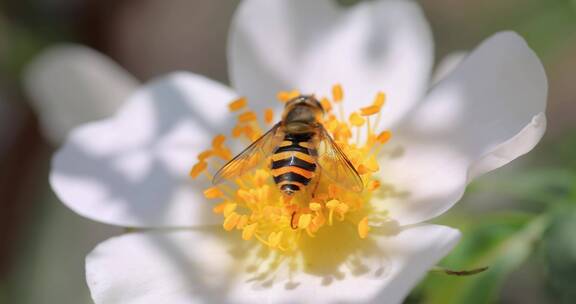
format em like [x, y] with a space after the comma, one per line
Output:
[132, 169]
[70, 85]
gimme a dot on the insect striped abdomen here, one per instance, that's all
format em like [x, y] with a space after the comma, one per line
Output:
[293, 166]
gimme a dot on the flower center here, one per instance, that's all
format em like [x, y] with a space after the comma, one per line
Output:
[254, 204]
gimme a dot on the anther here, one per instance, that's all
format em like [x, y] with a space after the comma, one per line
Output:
[237, 104]
[285, 96]
[379, 99]
[213, 192]
[231, 221]
[326, 105]
[198, 168]
[337, 93]
[247, 117]
[218, 141]
[384, 137]
[369, 110]
[363, 228]
[357, 120]
[268, 116]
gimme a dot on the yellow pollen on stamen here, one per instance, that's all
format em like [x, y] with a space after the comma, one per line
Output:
[357, 120]
[252, 204]
[331, 205]
[274, 239]
[219, 208]
[204, 155]
[231, 221]
[247, 117]
[237, 104]
[269, 116]
[384, 137]
[304, 221]
[370, 165]
[337, 93]
[373, 185]
[213, 192]
[363, 228]
[285, 96]
[218, 141]
[248, 231]
[380, 99]
[198, 168]
[229, 208]
[242, 222]
[370, 110]
[326, 104]
[315, 206]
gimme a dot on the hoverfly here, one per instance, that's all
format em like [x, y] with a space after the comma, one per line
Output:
[298, 149]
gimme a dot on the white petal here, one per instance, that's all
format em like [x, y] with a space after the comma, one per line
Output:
[516, 146]
[71, 84]
[447, 65]
[203, 267]
[311, 45]
[132, 169]
[486, 113]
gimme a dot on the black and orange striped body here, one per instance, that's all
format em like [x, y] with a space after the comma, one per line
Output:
[294, 162]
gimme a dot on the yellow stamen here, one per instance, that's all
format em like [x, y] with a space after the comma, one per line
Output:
[357, 120]
[198, 168]
[218, 141]
[369, 110]
[380, 99]
[248, 231]
[247, 117]
[242, 222]
[223, 153]
[363, 228]
[253, 203]
[204, 155]
[373, 185]
[304, 221]
[268, 116]
[285, 96]
[229, 208]
[237, 131]
[219, 208]
[213, 192]
[384, 137]
[326, 104]
[337, 93]
[370, 165]
[231, 221]
[315, 206]
[274, 239]
[331, 205]
[237, 104]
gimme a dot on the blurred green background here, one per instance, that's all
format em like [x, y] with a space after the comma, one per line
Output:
[520, 221]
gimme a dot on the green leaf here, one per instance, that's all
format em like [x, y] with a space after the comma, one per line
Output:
[347, 2]
[500, 242]
[559, 250]
[542, 185]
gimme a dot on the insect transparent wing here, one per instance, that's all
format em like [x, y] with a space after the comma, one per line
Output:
[335, 164]
[251, 157]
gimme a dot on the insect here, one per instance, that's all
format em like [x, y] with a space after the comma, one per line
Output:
[298, 150]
